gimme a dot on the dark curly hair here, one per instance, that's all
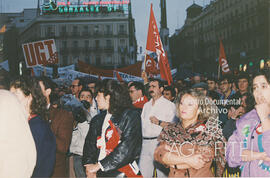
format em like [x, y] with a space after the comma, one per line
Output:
[30, 86]
[119, 96]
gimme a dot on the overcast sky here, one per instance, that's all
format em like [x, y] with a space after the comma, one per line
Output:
[176, 13]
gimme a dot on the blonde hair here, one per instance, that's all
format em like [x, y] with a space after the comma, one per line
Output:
[205, 104]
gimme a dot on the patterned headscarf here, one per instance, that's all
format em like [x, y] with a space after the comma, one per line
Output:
[207, 133]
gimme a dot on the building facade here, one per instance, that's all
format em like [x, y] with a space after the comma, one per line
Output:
[242, 25]
[101, 35]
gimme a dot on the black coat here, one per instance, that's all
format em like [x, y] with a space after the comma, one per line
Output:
[128, 150]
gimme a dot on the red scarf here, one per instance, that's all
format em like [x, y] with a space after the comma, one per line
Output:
[113, 137]
[139, 103]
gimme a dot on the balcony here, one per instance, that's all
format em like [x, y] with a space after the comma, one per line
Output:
[63, 34]
[97, 49]
[50, 35]
[108, 34]
[86, 34]
[122, 34]
[109, 49]
[97, 34]
[75, 34]
[86, 50]
[123, 50]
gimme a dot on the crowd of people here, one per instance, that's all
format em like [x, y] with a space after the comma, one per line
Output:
[191, 128]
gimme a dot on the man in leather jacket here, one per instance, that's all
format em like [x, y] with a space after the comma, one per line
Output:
[114, 140]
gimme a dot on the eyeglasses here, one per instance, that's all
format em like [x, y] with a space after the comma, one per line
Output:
[73, 86]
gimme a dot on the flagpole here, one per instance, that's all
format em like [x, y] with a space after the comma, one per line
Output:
[144, 60]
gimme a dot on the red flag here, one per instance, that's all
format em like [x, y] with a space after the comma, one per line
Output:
[151, 65]
[222, 60]
[154, 44]
[113, 137]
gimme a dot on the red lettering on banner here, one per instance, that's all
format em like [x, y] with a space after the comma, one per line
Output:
[28, 58]
[40, 53]
[49, 44]
[32, 52]
[41, 56]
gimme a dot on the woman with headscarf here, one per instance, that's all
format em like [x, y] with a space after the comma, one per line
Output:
[29, 93]
[190, 146]
[18, 149]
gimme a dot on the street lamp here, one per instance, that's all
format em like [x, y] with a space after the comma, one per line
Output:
[240, 67]
[245, 68]
[262, 64]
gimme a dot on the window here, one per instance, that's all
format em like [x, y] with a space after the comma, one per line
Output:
[75, 29]
[122, 42]
[108, 59]
[49, 31]
[86, 43]
[97, 43]
[98, 60]
[108, 29]
[64, 29]
[85, 28]
[123, 60]
[75, 44]
[108, 43]
[96, 29]
[122, 29]
[65, 60]
[87, 59]
[75, 59]
[64, 44]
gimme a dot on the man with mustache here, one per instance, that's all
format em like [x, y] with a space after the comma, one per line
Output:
[156, 114]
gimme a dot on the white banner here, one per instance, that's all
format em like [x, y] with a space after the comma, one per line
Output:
[128, 78]
[69, 74]
[40, 53]
[63, 69]
[72, 74]
[41, 70]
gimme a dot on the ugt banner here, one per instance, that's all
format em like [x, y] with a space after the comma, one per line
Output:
[40, 53]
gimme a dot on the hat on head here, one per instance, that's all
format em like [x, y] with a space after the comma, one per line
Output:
[200, 85]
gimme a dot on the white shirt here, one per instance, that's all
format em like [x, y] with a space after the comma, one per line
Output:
[102, 142]
[163, 110]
